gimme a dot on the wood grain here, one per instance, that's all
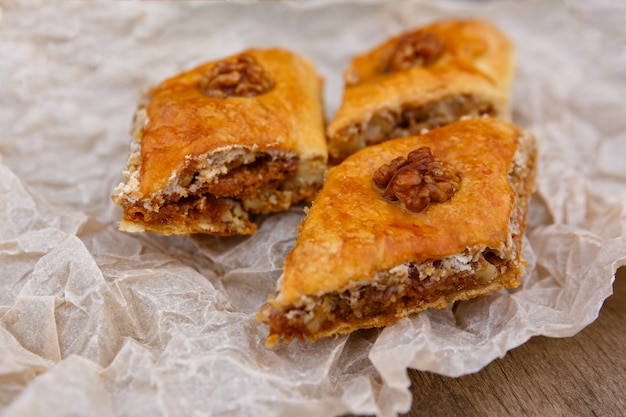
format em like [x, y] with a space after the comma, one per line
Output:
[583, 375]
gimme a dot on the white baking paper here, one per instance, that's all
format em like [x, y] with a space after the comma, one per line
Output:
[98, 322]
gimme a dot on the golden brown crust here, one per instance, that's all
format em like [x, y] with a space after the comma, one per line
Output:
[476, 62]
[196, 125]
[351, 234]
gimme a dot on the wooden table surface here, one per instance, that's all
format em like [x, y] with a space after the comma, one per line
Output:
[583, 375]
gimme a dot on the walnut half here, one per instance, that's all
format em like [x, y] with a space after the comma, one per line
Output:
[244, 77]
[417, 49]
[418, 180]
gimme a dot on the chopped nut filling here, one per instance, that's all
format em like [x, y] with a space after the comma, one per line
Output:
[186, 210]
[410, 120]
[417, 181]
[408, 286]
[419, 49]
[245, 180]
[240, 183]
[242, 78]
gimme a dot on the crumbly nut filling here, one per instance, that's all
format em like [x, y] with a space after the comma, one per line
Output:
[407, 121]
[198, 196]
[244, 180]
[406, 287]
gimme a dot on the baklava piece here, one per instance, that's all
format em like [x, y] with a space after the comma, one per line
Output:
[409, 224]
[221, 143]
[420, 80]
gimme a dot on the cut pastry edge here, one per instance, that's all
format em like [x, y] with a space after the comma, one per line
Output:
[408, 119]
[224, 218]
[203, 195]
[217, 193]
[393, 295]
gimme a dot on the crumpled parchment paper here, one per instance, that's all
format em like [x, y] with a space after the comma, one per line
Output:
[98, 322]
